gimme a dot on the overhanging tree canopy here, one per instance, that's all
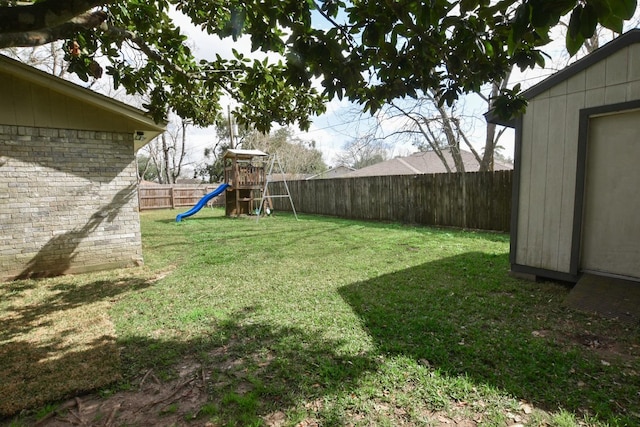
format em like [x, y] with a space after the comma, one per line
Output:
[370, 51]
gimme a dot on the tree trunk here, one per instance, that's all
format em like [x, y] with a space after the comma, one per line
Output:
[165, 156]
[452, 141]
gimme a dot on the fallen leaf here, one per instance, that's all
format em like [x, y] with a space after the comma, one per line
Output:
[526, 408]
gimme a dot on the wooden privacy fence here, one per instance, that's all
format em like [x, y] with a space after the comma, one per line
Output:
[474, 200]
[175, 195]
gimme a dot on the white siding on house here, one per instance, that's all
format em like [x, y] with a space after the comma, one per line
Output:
[549, 155]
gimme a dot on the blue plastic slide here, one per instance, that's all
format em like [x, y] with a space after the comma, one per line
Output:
[202, 203]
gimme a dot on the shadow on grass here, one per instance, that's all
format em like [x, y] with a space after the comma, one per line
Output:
[64, 297]
[36, 374]
[57, 344]
[449, 315]
[253, 370]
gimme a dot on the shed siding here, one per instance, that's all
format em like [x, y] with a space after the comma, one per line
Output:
[525, 178]
[549, 149]
[554, 173]
[537, 200]
[68, 201]
[575, 102]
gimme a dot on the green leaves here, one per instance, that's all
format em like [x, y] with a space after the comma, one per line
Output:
[585, 17]
[623, 9]
[368, 51]
[509, 103]
[575, 37]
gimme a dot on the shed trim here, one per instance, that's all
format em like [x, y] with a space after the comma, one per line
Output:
[627, 39]
[515, 189]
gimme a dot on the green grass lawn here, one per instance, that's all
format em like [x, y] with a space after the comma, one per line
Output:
[325, 321]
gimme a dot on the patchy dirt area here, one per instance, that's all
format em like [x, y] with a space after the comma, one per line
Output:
[153, 403]
[188, 399]
[183, 402]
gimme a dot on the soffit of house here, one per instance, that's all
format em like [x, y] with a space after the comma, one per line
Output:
[627, 39]
[32, 97]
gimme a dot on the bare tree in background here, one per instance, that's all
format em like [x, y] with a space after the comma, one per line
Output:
[167, 153]
[297, 157]
[49, 58]
[363, 152]
[445, 130]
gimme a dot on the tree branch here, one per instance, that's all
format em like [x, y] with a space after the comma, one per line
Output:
[146, 49]
[43, 36]
[43, 15]
[466, 141]
[342, 28]
[428, 134]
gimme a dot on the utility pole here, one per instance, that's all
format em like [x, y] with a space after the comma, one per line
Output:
[231, 141]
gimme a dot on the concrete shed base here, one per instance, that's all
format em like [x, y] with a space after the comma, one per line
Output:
[607, 296]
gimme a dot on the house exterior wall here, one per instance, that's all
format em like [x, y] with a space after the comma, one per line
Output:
[549, 156]
[68, 201]
[25, 103]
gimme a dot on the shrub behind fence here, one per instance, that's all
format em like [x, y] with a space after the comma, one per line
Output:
[474, 200]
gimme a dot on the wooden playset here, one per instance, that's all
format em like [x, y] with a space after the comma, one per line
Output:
[245, 173]
[246, 185]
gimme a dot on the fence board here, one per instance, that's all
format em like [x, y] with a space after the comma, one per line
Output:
[475, 200]
[175, 195]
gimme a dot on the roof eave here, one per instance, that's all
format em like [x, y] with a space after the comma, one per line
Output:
[624, 40]
[491, 117]
[147, 127]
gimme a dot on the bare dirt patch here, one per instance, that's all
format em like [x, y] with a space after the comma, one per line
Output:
[153, 403]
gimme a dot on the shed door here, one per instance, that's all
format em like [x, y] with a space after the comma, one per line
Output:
[611, 226]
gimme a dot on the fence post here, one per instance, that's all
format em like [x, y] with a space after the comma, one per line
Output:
[173, 200]
[464, 199]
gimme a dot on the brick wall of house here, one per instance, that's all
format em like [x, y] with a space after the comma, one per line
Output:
[68, 202]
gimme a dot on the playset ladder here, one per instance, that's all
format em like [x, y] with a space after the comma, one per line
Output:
[266, 196]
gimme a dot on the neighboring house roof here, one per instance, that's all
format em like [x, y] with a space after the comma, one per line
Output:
[421, 163]
[626, 39]
[243, 154]
[133, 119]
[335, 172]
[287, 177]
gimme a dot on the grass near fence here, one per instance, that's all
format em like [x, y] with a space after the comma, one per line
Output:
[317, 322]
